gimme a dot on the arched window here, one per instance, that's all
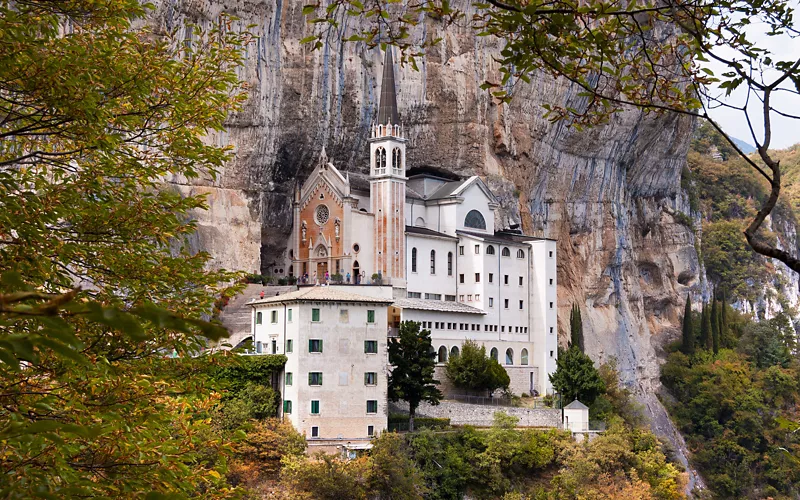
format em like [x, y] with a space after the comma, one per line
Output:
[380, 161]
[413, 260]
[506, 252]
[490, 250]
[433, 261]
[520, 254]
[509, 356]
[474, 219]
[380, 130]
[493, 353]
[449, 263]
[524, 356]
[397, 159]
[454, 352]
[442, 355]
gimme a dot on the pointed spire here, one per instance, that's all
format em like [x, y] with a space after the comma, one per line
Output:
[387, 110]
[323, 157]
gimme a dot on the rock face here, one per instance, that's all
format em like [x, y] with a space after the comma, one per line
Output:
[605, 194]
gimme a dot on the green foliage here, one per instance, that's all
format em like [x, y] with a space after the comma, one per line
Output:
[729, 262]
[687, 337]
[420, 422]
[473, 370]
[115, 396]
[576, 377]
[245, 370]
[393, 475]
[412, 358]
[715, 325]
[576, 328]
[705, 329]
[257, 457]
[736, 410]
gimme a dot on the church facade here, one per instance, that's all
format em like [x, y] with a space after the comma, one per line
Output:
[425, 240]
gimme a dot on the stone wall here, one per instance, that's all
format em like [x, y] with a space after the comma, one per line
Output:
[482, 415]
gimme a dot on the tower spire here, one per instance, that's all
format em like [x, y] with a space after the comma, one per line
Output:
[387, 109]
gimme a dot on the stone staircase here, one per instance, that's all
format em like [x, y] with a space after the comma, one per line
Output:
[236, 316]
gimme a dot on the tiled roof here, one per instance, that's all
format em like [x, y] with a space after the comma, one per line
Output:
[499, 237]
[320, 294]
[428, 232]
[576, 405]
[446, 190]
[436, 305]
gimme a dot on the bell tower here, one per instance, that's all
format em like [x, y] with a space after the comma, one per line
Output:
[387, 181]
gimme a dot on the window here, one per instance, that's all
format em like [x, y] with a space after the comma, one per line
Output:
[521, 304]
[274, 317]
[477, 297]
[258, 318]
[505, 279]
[433, 296]
[491, 277]
[551, 281]
[289, 315]
[461, 250]
[289, 378]
[490, 250]
[380, 156]
[322, 214]
[520, 281]
[371, 346]
[289, 345]
[461, 298]
[315, 429]
[258, 347]
[505, 303]
[414, 295]
[493, 353]
[315, 407]
[442, 358]
[469, 298]
[413, 260]
[506, 252]
[344, 316]
[491, 301]
[315, 345]
[551, 254]
[371, 378]
[449, 298]
[474, 219]
[287, 407]
[551, 354]
[450, 264]
[520, 254]
[370, 430]
[372, 406]
[551, 329]
[477, 277]
[274, 346]
[460, 278]
[370, 316]
[502, 329]
[397, 159]
[509, 356]
[454, 351]
[551, 305]
[524, 357]
[433, 261]
[477, 249]
[315, 315]
[314, 378]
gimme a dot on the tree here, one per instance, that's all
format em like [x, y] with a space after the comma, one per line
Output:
[687, 341]
[394, 474]
[576, 328]
[705, 329]
[96, 112]
[576, 377]
[714, 323]
[656, 58]
[473, 370]
[412, 358]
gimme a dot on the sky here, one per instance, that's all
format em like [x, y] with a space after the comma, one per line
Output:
[785, 131]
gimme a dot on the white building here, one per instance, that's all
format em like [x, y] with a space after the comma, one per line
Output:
[431, 237]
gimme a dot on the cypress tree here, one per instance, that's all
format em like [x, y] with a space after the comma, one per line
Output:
[576, 328]
[705, 329]
[724, 331]
[715, 324]
[571, 326]
[688, 333]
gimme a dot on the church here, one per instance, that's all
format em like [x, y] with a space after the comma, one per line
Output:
[412, 243]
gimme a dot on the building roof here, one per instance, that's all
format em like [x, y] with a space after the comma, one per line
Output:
[436, 305]
[500, 237]
[445, 190]
[319, 294]
[387, 110]
[428, 232]
[576, 405]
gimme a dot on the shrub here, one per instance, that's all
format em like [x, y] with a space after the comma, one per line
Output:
[473, 370]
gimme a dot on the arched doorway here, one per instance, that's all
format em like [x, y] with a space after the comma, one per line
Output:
[356, 273]
[321, 252]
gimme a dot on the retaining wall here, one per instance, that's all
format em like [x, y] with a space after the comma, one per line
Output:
[482, 415]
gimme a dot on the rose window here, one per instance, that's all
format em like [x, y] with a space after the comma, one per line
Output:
[322, 214]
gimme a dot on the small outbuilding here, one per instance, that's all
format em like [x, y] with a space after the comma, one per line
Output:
[576, 417]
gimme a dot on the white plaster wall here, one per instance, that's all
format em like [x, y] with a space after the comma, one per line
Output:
[474, 199]
[362, 232]
[422, 280]
[544, 317]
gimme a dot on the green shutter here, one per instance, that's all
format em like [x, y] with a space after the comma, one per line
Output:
[309, 378]
[320, 378]
[314, 407]
[366, 378]
[315, 315]
[290, 315]
[370, 316]
[309, 345]
[320, 345]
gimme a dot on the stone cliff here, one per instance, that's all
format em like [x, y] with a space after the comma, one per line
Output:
[605, 194]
